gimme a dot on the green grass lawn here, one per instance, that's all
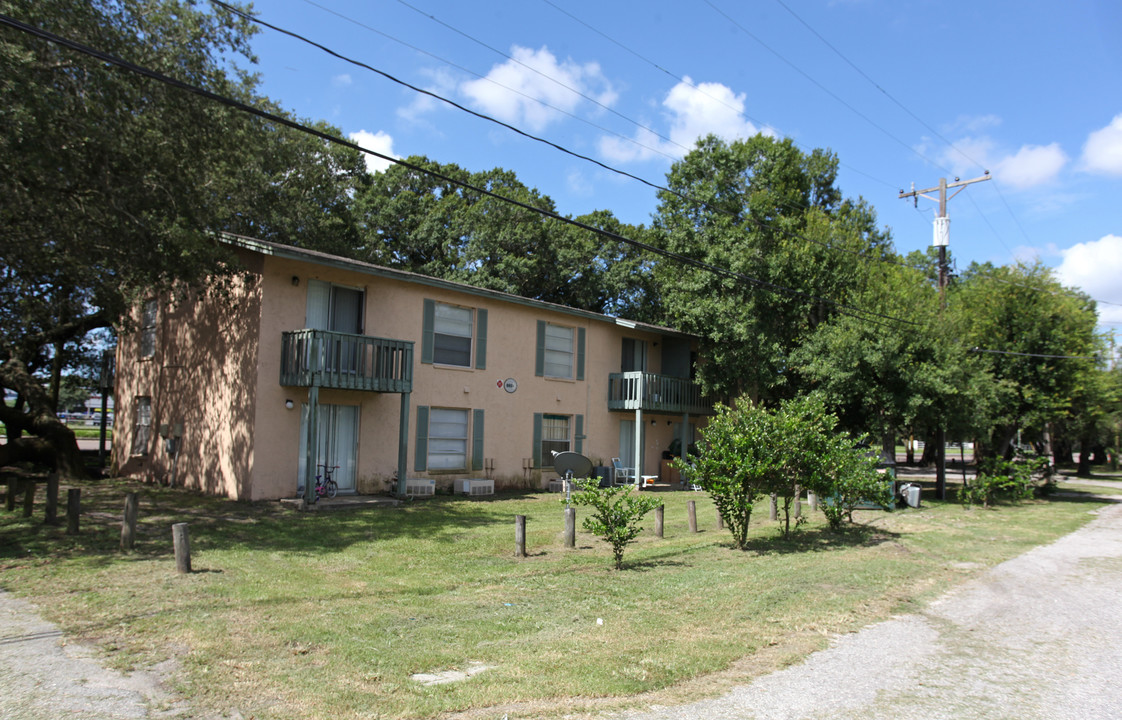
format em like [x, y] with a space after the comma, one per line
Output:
[328, 614]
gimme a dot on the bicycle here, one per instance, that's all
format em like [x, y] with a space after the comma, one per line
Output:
[327, 487]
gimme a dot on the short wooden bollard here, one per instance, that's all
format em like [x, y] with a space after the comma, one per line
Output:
[773, 512]
[128, 524]
[73, 509]
[798, 501]
[720, 521]
[182, 544]
[50, 516]
[28, 497]
[10, 495]
[812, 498]
[570, 528]
[691, 507]
[660, 516]
[519, 536]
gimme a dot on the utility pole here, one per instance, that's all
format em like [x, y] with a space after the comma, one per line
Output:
[941, 240]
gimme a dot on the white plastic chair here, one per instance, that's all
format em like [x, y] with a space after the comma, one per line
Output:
[622, 475]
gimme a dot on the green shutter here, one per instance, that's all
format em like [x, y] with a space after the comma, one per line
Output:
[427, 324]
[537, 440]
[421, 457]
[477, 440]
[580, 353]
[480, 339]
[539, 363]
[578, 437]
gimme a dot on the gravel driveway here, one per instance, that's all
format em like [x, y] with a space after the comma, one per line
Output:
[1036, 637]
[1039, 636]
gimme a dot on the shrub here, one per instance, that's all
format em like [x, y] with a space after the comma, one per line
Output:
[849, 477]
[1014, 480]
[616, 512]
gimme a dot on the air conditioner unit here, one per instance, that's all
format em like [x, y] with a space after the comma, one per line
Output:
[420, 488]
[476, 487]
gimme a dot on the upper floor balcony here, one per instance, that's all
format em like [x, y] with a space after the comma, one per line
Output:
[656, 393]
[328, 359]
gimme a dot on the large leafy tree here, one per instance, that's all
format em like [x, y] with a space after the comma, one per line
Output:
[431, 218]
[114, 184]
[881, 377]
[764, 209]
[1036, 339]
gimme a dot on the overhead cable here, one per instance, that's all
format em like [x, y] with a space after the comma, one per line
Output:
[327, 137]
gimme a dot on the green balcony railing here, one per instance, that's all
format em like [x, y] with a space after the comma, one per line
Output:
[656, 393]
[345, 361]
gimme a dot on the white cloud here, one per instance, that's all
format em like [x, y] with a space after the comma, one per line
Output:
[378, 142]
[1032, 165]
[512, 90]
[694, 111]
[441, 83]
[1096, 267]
[343, 80]
[1102, 153]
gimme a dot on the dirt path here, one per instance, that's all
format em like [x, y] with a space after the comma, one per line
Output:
[43, 678]
[1039, 636]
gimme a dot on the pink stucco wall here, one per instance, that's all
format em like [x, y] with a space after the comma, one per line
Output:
[219, 370]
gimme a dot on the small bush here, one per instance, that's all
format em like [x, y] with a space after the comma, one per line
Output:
[1013, 480]
[616, 512]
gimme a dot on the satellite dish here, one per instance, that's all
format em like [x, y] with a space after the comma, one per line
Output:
[571, 464]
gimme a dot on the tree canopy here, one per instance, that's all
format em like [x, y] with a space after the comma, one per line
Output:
[763, 209]
[114, 184]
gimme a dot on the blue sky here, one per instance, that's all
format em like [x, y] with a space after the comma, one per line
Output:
[902, 92]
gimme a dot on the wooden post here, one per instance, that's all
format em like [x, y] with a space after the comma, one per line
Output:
[798, 501]
[51, 515]
[182, 544]
[812, 498]
[570, 528]
[773, 512]
[720, 521]
[73, 509]
[519, 536]
[10, 495]
[28, 497]
[128, 526]
[660, 515]
[691, 506]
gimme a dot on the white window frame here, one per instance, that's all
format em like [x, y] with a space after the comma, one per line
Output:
[446, 326]
[149, 316]
[446, 445]
[559, 359]
[142, 427]
[553, 422]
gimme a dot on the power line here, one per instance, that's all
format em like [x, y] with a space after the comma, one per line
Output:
[544, 75]
[685, 80]
[822, 87]
[922, 122]
[687, 198]
[1035, 355]
[486, 78]
[292, 124]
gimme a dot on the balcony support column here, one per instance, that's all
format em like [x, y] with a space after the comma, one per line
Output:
[313, 444]
[685, 433]
[639, 447]
[403, 444]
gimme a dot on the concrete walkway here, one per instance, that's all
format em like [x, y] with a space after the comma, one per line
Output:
[1039, 636]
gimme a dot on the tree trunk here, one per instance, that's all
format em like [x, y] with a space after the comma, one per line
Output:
[929, 455]
[54, 444]
[1084, 469]
[1061, 451]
